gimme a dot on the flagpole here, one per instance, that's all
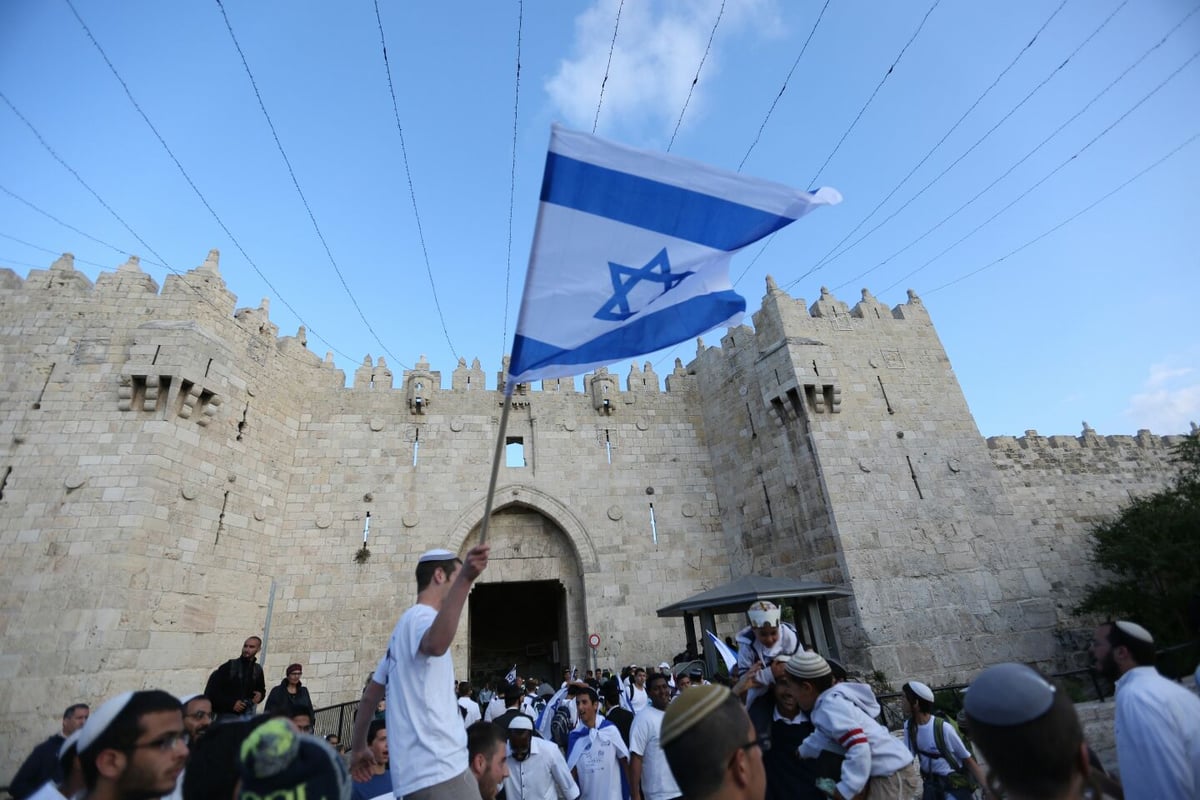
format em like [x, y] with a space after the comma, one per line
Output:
[491, 492]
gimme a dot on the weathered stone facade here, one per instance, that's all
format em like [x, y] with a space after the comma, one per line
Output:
[170, 468]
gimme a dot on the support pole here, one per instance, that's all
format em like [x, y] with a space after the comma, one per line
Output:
[491, 492]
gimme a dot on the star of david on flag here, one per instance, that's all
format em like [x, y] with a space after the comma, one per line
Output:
[631, 253]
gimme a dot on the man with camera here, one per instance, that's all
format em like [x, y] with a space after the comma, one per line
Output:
[237, 686]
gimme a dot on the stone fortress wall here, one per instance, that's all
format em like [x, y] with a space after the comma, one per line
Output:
[171, 468]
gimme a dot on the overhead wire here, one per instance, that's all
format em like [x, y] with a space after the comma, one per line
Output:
[68, 226]
[611, 47]
[942, 140]
[55, 253]
[812, 183]
[695, 80]
[107, 207]
[1066, 221]
[512, 176]
[1051, 174]
[1038, 147]
[296, 183]
[783, 88]
[188, 178]
[827, 259]
[412, 192]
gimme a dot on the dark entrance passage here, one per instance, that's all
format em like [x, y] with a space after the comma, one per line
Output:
[522, 623]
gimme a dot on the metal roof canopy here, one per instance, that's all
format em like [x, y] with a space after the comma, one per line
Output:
[809, 601]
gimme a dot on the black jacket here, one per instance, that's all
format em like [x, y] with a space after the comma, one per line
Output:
[280, 701]
[232, 681]
[39, 767]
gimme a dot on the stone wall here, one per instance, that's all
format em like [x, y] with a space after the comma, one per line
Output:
[174, 475]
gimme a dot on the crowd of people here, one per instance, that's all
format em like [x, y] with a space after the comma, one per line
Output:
[786, 723]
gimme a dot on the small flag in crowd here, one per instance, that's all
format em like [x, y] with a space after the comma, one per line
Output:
[631, 253]
[511, 677]
[727, 655]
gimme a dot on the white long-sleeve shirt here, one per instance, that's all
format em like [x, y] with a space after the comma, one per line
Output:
[543, 775]
[1158, 736]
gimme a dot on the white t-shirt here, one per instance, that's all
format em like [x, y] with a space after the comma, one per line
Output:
[47, 791]
[472, 711]
[423, 723]
[638, 699]
[657, 781]
[494, 709]
[543, 775]
[593, 754]
[927, 750]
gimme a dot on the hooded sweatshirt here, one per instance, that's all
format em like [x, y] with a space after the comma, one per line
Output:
[844, 717]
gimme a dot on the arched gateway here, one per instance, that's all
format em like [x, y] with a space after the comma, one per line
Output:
[529, 607]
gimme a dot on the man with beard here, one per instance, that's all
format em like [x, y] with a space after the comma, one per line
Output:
[1157, 720]
[536, 768]
[197, 716]
[237, 686]
[485, 754]
[134, 747]
[649, 775]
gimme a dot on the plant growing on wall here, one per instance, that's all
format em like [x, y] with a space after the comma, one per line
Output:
[1150, 555]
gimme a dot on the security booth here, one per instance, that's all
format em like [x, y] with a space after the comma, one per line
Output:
[808, 600]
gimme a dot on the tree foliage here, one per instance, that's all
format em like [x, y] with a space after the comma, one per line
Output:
[1150, 554]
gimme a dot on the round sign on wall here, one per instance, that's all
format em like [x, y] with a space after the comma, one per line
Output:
[594, 641]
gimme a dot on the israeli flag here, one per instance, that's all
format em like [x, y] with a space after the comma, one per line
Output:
[727, 655]
[511, 677]
[631, 253]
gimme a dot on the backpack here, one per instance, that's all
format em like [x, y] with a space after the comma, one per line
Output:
[560, 727]
[960, 777]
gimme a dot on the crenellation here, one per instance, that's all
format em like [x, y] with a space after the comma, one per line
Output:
[161, 444]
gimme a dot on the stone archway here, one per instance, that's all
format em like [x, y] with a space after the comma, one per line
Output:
[529, 607]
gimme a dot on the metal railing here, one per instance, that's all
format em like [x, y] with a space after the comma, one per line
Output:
[337, 719]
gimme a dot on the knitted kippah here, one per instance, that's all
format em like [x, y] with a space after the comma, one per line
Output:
[276, 761]
[807, 666]
[689, 708]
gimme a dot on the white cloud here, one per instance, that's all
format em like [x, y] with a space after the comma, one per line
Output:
[1168, 401]
[657, 52]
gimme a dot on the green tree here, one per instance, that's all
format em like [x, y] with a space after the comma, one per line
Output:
[1150, 554]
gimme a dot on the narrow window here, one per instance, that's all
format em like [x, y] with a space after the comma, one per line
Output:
[514, 452]
[653, 525]
[416, 444]
[607, 446]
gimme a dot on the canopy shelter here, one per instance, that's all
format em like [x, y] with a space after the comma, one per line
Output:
[808, 600]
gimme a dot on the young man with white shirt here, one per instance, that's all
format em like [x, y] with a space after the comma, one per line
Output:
[536, 767]
[423, 722]
[596, 754]
[931, 740]
[650, 777]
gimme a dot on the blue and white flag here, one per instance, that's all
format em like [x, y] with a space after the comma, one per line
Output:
[727, 655]
[631, 253]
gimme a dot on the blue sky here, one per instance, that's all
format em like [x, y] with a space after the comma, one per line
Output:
[1095, 321]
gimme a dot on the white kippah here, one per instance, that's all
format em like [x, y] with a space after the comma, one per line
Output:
[187, 698]
[1135, 630]
[921, 690]
[520, 723]
[100, 719]
[763, 613]
[437, 554]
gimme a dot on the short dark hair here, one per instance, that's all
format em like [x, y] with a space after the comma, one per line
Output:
[425, 570]
[212, 760]
[612, 695]
[919, 702]
[482, 739]
[512, 693]
[657, 676]
[1142, 652]
[302, 711]
[374, 728]
[699, 756]
[590, 692]
[70, 712]
[123, 732]
[256, 637]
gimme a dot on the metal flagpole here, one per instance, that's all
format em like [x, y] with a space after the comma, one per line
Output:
[491, 492]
